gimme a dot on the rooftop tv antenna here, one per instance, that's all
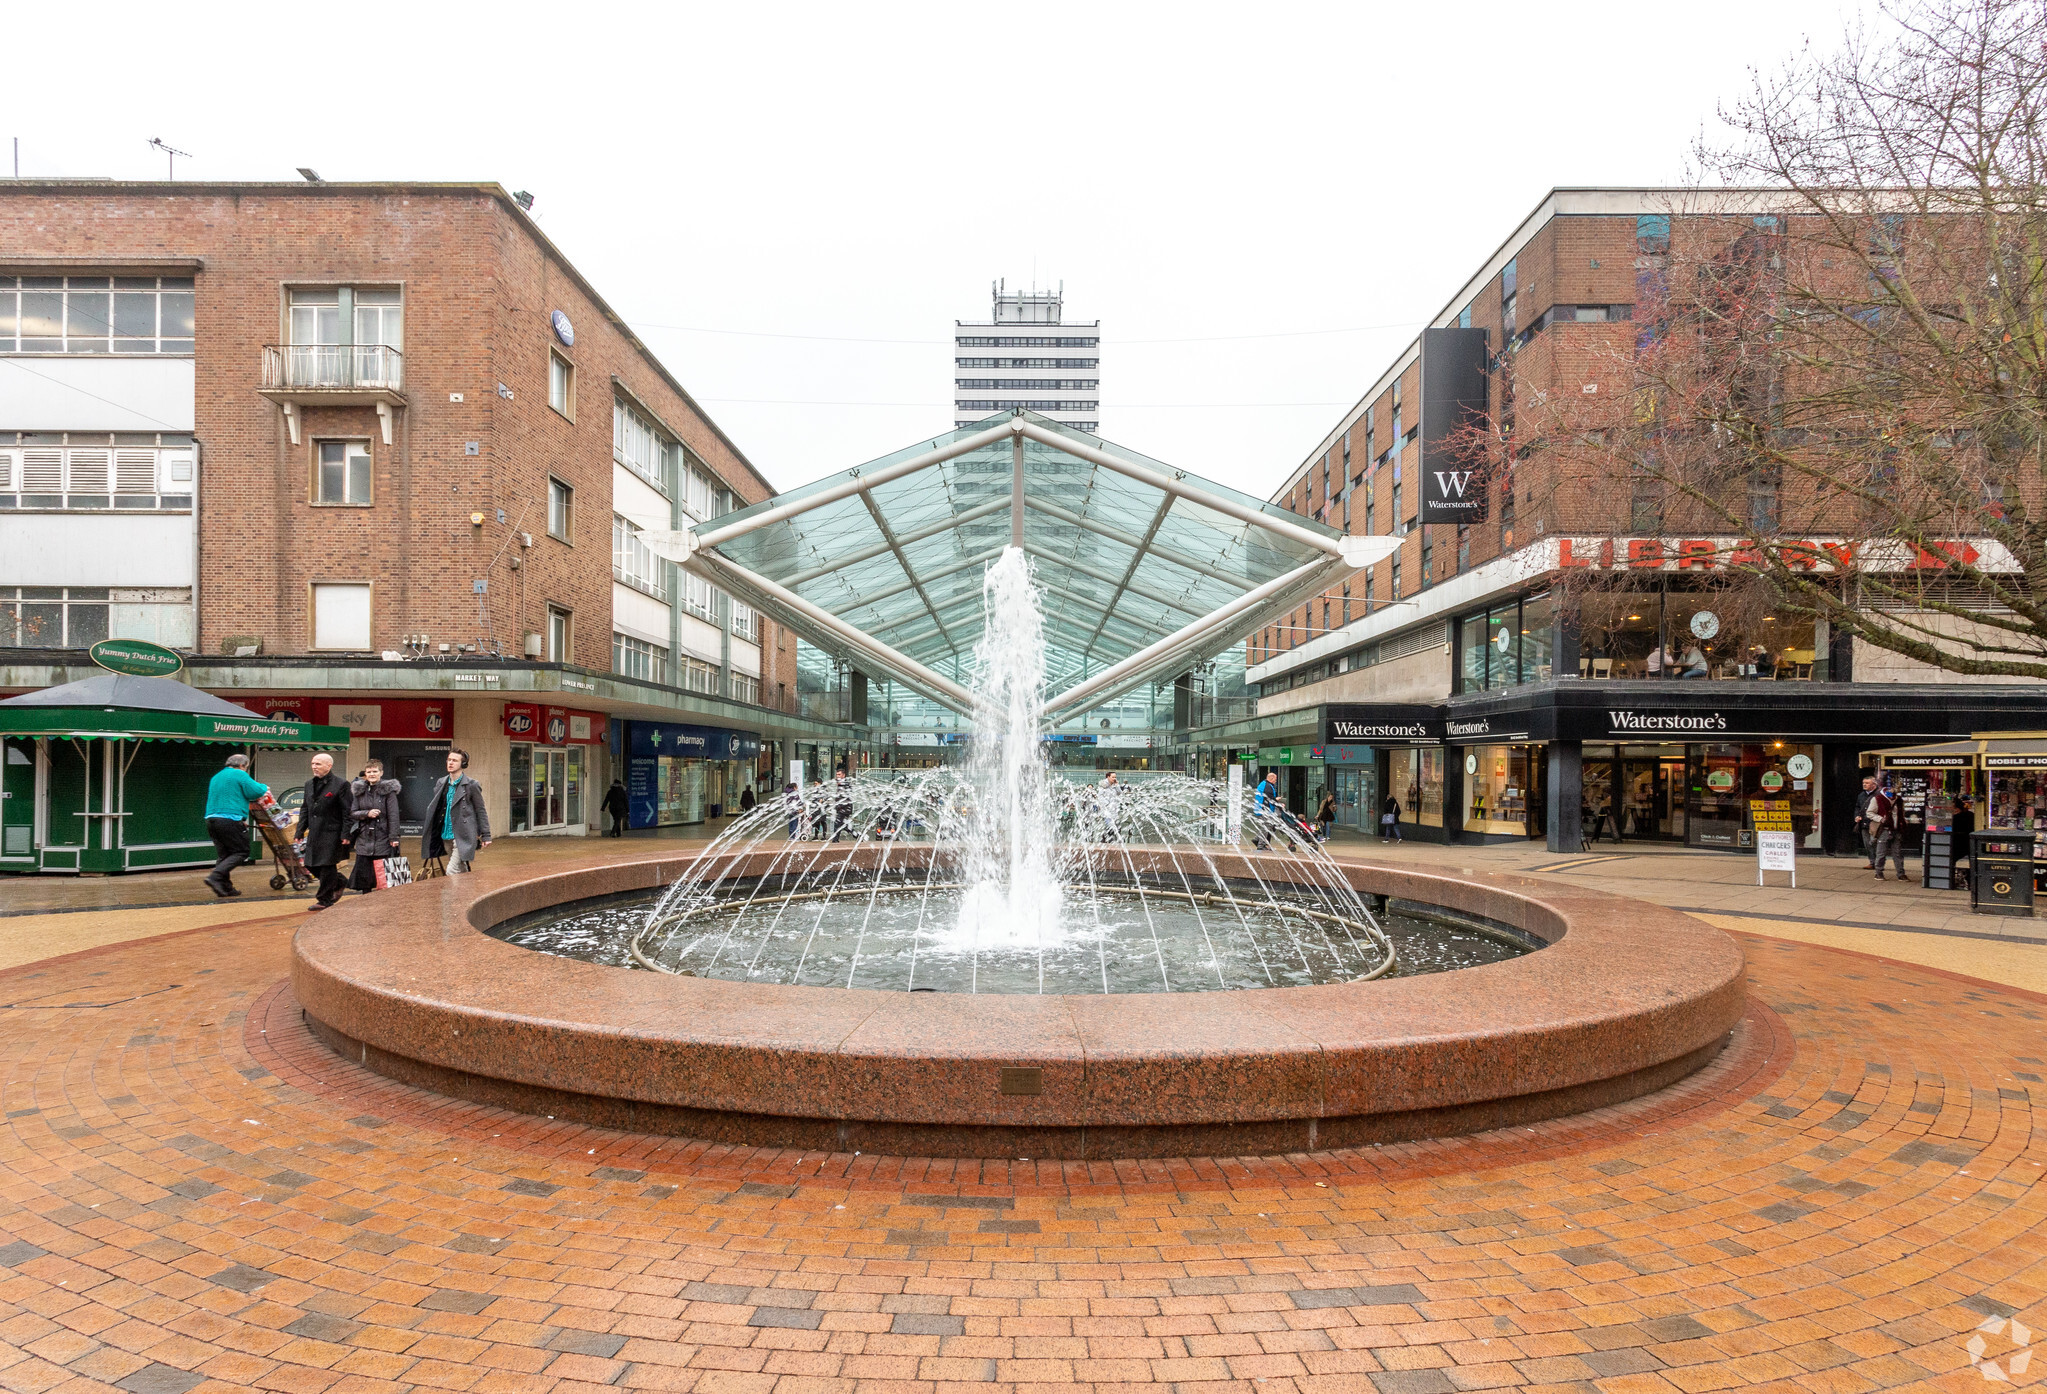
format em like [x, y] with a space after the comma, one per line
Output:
[171, 154]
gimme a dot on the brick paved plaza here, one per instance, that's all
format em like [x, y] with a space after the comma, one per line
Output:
[199, 1196]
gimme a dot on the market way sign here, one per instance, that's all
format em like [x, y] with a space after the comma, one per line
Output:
[136, 658]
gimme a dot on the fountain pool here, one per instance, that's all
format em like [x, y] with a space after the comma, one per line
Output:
[988, 961]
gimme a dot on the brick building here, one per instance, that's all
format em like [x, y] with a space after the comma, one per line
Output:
[375, 454]
[1475, 678]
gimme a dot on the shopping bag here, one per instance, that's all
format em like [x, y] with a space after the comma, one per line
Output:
[393, 871]
[430, 867]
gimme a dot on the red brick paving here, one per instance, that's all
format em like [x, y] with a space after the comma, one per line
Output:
[196, 1195]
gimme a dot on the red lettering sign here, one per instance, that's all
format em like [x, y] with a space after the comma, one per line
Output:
[1645, 553]
[1936, 556]
[1843, 554]
[1696, 554]
[1565, 556]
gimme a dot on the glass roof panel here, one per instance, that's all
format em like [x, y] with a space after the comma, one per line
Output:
[1124, 562]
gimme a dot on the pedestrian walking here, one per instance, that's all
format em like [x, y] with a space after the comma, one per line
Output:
[456, 824]
[618, 806]
[1862, 831]
[1389, 819]
[746, 799]
[842, 805]
[373, 812]
[1887, 831]
[1325, 816]
[1264, 810]
[1960, 837]
[1109, 802]
[324, 826]
[792, 804]
[228, 796]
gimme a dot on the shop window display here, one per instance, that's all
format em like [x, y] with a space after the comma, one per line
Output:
[1416, 779]
[1496, 783]
[2018, 799]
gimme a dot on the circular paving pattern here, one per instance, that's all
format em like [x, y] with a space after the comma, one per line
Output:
[194, 1193]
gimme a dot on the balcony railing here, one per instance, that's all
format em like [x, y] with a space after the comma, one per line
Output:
[332, 367]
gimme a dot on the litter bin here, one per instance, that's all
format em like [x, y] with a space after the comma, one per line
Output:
[2001, 872]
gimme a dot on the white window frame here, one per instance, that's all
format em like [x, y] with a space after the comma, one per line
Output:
[566, 492]
[639, 659]
[632, 562]
[561, 385]
[349, 446]
[561, 633]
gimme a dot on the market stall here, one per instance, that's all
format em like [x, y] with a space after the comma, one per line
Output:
[109, 773]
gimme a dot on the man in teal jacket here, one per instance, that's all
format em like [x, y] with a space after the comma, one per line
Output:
[228, 797]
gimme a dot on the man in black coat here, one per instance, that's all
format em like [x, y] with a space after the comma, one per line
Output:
[618, 806]
[323, 825]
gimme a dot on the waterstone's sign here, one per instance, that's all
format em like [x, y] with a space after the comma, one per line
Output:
[1629, 723]
[1382, 725]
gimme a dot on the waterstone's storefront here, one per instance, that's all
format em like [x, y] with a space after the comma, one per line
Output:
[1572, 762]
[1389, 751]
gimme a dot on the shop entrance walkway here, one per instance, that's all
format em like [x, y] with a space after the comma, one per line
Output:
[1831, 890]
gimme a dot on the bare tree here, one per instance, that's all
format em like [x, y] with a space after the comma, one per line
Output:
[1838, 357]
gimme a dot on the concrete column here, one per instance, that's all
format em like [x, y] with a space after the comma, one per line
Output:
[1453, 792]
[1564, 631]
[1566, 795]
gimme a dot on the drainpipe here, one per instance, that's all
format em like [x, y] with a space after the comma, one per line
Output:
[198, 557]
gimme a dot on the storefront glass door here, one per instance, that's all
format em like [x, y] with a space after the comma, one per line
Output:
[547, 787]
[1653, 793]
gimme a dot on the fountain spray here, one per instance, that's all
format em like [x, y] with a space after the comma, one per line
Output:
[1011, 896]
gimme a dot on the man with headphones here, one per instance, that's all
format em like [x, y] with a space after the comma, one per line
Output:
[456, 824]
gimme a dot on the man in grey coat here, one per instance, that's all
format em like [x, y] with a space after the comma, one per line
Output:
[456, 824]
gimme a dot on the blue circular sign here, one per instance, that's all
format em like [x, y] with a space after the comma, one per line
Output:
[563, 330]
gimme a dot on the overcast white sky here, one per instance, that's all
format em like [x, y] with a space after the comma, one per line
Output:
[1215, 183]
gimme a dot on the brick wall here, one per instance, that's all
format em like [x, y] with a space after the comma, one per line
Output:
[479, 287]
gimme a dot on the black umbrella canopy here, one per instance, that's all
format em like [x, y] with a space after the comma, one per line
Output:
[132, 694]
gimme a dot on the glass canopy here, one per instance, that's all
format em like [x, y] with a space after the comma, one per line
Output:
[1123, 562]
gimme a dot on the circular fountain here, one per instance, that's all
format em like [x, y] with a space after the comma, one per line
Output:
[987, 960]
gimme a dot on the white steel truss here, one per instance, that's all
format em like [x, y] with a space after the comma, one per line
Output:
[1092, 622]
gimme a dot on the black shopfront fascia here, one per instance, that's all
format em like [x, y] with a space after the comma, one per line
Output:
[1844, 718]
[1392, 723]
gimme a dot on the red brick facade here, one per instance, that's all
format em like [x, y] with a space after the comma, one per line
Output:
[480, 283]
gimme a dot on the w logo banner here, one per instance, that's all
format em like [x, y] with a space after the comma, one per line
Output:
[1455, 390]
